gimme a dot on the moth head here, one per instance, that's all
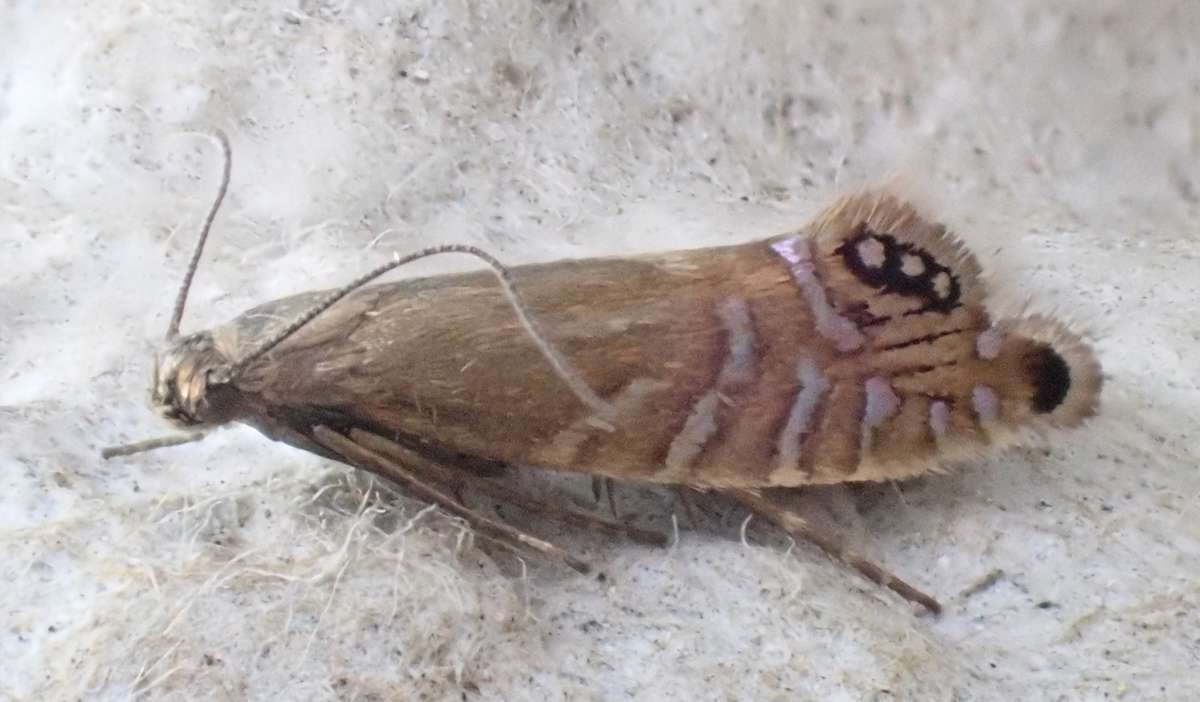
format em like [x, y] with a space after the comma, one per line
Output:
[1050, 376]
[183, 376]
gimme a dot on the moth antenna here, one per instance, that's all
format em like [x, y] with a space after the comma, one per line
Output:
[181, 298]
[562, 367]
[150, 445]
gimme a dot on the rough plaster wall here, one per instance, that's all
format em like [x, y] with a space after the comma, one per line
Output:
[1062, 140]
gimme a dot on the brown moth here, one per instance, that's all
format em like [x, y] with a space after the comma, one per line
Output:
[856, 348]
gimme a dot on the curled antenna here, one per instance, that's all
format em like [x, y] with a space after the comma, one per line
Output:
[181, 298]
[561, 365]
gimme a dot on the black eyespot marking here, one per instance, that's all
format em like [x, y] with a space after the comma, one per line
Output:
[903, 269]
[1051, 378]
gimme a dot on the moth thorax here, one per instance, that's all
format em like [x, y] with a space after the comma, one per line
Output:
[182, 380]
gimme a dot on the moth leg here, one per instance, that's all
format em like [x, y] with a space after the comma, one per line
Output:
[798, 527]
[681, 492]
[600, 486]
[366, 459]
[610, 487]
[458, 479]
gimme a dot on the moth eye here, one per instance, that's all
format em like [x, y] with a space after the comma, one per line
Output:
[1050, 376]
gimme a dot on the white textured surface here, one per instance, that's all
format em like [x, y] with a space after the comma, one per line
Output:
[1064, 144]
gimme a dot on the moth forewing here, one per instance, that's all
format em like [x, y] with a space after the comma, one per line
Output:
[857, 348]
[442, 362]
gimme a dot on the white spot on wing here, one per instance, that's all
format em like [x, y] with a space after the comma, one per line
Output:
[701, 424]
[911, 265]
[871, 252]
[882, 403]
[845, 335]
[813, 385]
[736, 370]
[739, 364]
[985, 402]
[987, 344]
[941, 285]
[939, 418]
[563, 448]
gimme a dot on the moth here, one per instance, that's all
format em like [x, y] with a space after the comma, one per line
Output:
[855, 348]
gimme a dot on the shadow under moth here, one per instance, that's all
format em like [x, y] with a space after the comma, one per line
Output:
[856, 348]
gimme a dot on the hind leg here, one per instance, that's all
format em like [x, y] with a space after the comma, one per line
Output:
[364, 458]
[798, 527]
[438, 483]
[448, 475]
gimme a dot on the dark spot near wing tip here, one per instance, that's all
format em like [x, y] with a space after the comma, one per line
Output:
[1051, 377]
